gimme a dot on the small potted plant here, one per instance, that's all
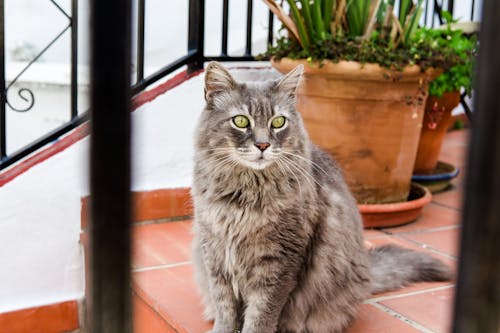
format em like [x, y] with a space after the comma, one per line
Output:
[444, 96]
[365, 85]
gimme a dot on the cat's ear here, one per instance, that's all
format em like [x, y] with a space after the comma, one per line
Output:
[288, 84]
[217, 79]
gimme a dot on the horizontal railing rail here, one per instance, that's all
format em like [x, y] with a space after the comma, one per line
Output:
[193, 59]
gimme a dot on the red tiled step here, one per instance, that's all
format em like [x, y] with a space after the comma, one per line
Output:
[373, 320]
[146, 319]
[53, 318]
[161, 244]
[164, 291]
[151, 205]
[171, 292]
[444, 241]
[432, 309]
[166, 299]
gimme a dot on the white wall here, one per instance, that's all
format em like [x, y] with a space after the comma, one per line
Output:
[40, 257]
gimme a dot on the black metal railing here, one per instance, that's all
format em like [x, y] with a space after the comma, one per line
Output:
[193, 59]
[26, 95]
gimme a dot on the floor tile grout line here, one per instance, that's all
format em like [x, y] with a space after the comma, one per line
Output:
[428, 247]
[152, 268]
[156, 312]
[422, 231]
[419, 244]
[446, 206]
[402, 318]
[413, 293]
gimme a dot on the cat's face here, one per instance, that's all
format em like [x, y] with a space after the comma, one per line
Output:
[253, 125]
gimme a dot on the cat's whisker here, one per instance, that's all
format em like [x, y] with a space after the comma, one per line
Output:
[218, 153]
[306, 178]
[283, 172]
[304, 172]
[222, 153]
[316, 165]
[291, 166]
[301, 166]
[224, 167]
[216, 150]
[219, 157]
[222, 163]
[219, 161]
[280, 162]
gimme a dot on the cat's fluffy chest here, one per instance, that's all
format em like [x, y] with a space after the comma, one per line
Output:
[231, 237]
[241, 236]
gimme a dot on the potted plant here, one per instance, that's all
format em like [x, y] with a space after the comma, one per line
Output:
[365, 86]
[444, 96]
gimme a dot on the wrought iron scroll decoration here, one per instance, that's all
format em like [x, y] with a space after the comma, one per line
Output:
[24, 93]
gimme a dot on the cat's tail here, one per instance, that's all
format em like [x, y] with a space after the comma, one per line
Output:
[393, 267]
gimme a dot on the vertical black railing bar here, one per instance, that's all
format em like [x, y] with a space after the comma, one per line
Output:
[426, 11]
[196, 34]
[477, 301]
[270, 32]
[463, 102]
[74, 59]
[433, 13]
[3, 101]
[472, 10]
[110, 308]
[225, 19]
[248, 47]
[451, 6]
[141, 13]
[437, 10]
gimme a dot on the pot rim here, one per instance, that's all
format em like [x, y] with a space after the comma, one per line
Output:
[354, 69]
[398, 206]
[452, 172]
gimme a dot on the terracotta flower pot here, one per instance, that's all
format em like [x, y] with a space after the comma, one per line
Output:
[369, 118]
[437, 119]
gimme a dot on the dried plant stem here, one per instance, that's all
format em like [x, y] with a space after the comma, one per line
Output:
[371, 20]
[283, 17]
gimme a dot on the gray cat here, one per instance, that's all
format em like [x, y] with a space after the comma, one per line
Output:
[278, 243]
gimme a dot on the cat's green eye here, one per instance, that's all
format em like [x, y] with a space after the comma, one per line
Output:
[241, 121]
[278, 122]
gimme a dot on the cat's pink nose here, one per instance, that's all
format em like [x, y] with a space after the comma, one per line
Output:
[262, 145]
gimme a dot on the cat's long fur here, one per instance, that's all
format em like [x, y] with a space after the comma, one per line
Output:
[278, 243]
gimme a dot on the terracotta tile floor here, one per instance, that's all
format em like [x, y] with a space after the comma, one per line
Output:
[166, 300]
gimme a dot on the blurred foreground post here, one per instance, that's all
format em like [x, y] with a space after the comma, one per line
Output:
[109, 303]
[477, 305]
